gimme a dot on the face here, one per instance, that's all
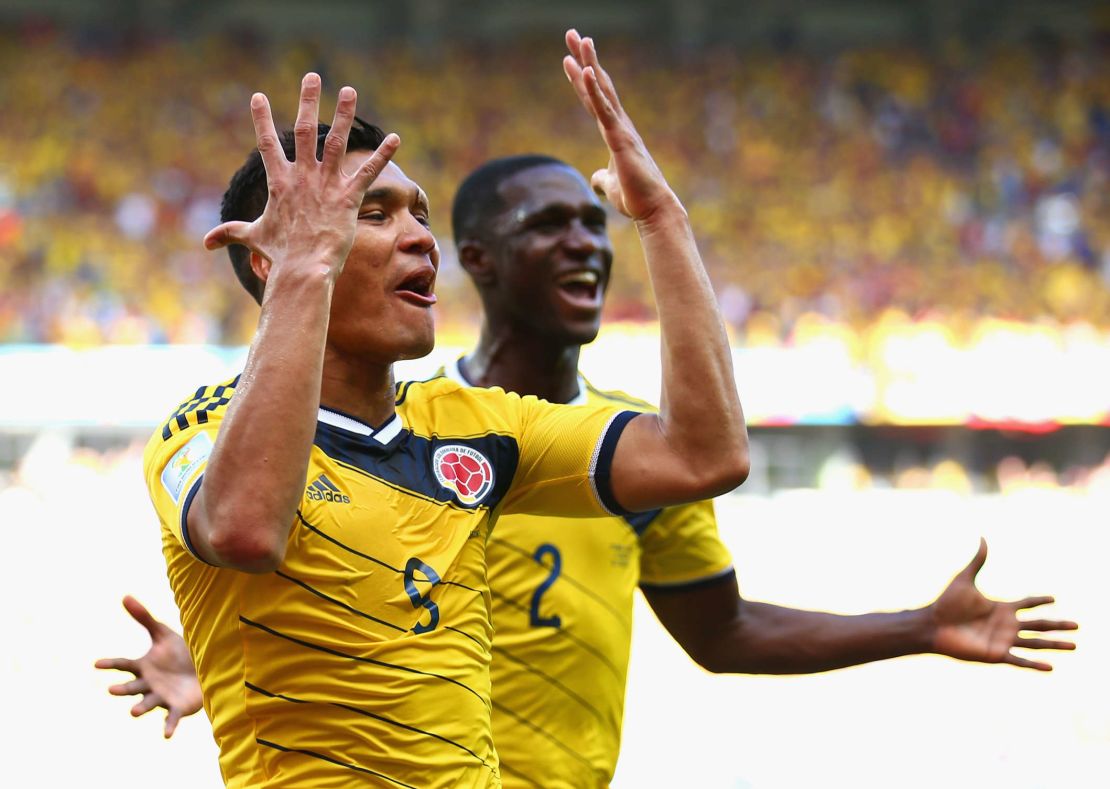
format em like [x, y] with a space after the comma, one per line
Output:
[551, 255]
[382, 305]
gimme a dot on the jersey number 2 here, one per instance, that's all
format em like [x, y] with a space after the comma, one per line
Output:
[547, 549]
[421, 600]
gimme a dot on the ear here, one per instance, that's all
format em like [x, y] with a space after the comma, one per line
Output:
[477, 262]
[260, 266]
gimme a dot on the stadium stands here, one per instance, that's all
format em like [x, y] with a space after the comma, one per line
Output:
[840, 193]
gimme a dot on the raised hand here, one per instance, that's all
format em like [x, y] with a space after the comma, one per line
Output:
[312, 207]
[969, 626]
[632, 182]
[164, 675]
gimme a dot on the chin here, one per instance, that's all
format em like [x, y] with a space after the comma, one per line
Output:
[581, 334]
[417, 350]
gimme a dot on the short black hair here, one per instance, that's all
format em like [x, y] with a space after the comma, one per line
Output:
[246, 195]
[478, 198]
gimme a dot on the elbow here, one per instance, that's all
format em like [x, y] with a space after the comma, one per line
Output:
[708, 662]
[736, 468]
[709, 659]
[246, 544]
[249, 553]
[725, 473]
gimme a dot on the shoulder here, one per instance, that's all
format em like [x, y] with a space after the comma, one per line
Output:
[615, 397]
[207, 403]
[441, 405]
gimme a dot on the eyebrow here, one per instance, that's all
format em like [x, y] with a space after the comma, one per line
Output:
[561, 210]
[389, 194]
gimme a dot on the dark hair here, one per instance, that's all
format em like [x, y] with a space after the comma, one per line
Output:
[478, 198]
[246, 195]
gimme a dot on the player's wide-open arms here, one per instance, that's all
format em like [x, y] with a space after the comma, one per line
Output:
[697, 445]
[726, 634]
[255, 477]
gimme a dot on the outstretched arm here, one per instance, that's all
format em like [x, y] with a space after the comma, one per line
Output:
[164, 676]
[245, 508]
[697, 446]
[726, 634]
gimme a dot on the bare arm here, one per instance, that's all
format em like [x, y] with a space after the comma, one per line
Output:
[697, 446]
[727, 634]
[242, 515]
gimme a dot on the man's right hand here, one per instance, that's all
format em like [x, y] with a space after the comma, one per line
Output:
[312, 207]
[164, 675]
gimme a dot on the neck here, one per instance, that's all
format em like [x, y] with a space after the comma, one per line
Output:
[362, 390]
[524, 363]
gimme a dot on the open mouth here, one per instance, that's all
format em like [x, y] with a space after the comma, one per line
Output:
[417, 287]
[583, 286]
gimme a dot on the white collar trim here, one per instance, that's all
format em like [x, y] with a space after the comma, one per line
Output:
[382, 435]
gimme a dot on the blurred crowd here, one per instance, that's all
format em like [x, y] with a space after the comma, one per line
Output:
[952, 186]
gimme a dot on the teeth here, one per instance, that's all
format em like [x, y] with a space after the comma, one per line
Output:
[580, 278]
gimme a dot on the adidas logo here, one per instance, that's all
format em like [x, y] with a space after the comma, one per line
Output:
[323, 489]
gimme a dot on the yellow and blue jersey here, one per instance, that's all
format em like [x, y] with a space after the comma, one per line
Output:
[562, 592]
[364, 658]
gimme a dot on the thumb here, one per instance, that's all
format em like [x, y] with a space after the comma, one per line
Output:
[141, 615]
[602, 183]
[977, 562]
[226, 234]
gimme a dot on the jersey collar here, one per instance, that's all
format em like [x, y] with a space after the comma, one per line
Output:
[389, 430]
[453, 371]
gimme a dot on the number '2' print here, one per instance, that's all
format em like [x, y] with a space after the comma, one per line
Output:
[547, 549]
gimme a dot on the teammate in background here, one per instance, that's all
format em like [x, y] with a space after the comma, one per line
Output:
[325, 531]
[532, 235]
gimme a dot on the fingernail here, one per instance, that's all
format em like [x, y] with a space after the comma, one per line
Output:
[257, 100]
[346, 93]
[311, 79]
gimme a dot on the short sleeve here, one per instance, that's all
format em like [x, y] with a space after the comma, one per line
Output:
[681, 547]
[174, 468]
[566, 456]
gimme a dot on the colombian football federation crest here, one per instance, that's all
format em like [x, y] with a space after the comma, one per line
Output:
[463, 470]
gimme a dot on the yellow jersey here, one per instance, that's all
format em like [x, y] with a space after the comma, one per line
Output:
[562, 612]
[363, 660]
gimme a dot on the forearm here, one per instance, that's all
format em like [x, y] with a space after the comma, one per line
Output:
[770, 639]
[256, 475]
[700, 413]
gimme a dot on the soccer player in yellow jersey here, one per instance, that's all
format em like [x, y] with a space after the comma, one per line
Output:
[325, 531]
[532, 236]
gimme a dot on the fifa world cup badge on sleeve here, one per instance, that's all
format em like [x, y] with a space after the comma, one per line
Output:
[184, 464]
[463, 470]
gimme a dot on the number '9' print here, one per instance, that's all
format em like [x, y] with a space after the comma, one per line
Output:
[422, 600]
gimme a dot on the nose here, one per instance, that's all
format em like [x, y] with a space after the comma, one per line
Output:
[581, 240]
[417, 238]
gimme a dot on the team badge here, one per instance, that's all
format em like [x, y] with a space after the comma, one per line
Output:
[463, 470]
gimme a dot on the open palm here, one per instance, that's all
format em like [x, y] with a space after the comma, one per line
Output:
[970, 626]
[164, 676]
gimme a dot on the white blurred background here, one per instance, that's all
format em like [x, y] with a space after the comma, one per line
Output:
[80, 533]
